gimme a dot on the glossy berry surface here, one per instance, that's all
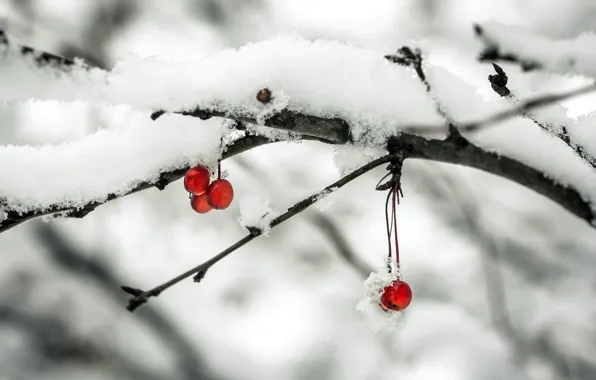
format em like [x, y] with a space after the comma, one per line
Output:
[220, 194]
[396, 296]
[199, 203]
[196, 180]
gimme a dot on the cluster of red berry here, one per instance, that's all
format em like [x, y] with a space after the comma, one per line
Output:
[204, 194]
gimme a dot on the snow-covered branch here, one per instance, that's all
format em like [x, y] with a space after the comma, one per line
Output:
[564, 131]
[359, 97]
[532, 51]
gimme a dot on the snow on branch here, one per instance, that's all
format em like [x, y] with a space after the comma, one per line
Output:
[532, 51]
[569, 131]
[413, 146]
[325, 91]
[326, 79]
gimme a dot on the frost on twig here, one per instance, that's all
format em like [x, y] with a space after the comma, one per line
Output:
[381, 319]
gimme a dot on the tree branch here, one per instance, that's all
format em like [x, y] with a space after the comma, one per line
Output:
[476, 157]
[499, 85]
[140, 297]
[14, 218]
[337, 131]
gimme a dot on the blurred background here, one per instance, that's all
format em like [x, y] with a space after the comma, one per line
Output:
[503, 280]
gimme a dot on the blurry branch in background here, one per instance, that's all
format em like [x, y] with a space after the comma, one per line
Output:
[459, 208]
[330, 229]
[499, 85]
[493, 52]
[324, 223]
[55, 342]
[89, 268]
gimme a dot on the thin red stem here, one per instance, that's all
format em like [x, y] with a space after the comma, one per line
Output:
[389, 229]
[394, 206]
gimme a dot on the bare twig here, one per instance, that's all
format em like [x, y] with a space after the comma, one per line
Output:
[141, 297]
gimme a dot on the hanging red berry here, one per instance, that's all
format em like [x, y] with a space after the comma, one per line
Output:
[220, 194]
[199, 203]
[196, 180]
[396, 296]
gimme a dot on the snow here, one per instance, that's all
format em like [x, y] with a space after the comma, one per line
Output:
[112, 161]
[321, 78]
[571, 56]
[381, 320]
[256, 212]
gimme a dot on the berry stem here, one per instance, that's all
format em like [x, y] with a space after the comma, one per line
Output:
[140, 297]
[389, 223]
[219, 170]
[394, 205]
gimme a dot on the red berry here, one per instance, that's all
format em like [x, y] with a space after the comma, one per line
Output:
[196, 180]
[199, 203]
[220, 194]
[396, 296]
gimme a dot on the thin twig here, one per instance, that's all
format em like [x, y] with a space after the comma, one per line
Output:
[141, 297]
[499, 85]
[523, 106]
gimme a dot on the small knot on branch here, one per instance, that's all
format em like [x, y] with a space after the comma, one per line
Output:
[498, 82]
[200, 275]
[395, 169]
[139, 297]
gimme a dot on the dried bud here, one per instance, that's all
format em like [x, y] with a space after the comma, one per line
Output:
[264, 96]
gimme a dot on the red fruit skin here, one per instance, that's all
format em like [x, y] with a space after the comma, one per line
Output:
[199, 203]
[220, 194]
[196, 180]
[396, 296]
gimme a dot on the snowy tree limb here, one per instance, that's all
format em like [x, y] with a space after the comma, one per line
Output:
[415, 147]
[337, 131]
[499, 85]
[14, 218]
